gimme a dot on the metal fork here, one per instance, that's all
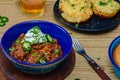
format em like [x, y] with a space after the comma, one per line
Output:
[80, 50]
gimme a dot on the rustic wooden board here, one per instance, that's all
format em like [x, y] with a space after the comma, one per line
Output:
[60, 73]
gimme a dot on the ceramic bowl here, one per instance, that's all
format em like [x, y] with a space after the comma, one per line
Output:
[54, 30]
[112, 46]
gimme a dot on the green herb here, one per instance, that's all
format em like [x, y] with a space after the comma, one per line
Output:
[81, 8]
[34, 41]
[76, 26]
[72, 5]
[109, 1]
[56, 52]
[102, 3]
[67, 0]
[34, 54]
[91, 5]
[77, 79]
[42, 60]
[111, 5]
[11, 49]
[17, 41]
[98, 58]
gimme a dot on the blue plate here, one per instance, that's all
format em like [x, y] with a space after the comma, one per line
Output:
[94, 24]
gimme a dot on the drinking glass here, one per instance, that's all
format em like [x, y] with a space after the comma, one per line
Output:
[32, 8]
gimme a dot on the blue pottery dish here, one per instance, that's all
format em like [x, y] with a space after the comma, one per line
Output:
[54, 30]
[112, 46]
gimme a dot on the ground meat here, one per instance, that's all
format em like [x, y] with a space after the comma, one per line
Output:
[41, 52]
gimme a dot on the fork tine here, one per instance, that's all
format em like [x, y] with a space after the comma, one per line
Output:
[74, 47]
[79, 45]
[76, 44]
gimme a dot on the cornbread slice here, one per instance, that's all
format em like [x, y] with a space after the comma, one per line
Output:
[105, 8]
[75, 11]
[93, 1]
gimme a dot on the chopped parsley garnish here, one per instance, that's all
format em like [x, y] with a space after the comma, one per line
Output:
[67, 0]
[34, 54]
[91, 5]
[56, 52]
[104, 3]
[81, 8]
[11, 49]
[42, 60]
[109, 1]
[72, 5]
[17, 41]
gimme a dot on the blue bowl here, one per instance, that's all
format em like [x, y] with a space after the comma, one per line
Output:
[54, 30]
[112, 46]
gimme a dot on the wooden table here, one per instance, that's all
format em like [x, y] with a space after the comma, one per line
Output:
[95, 45]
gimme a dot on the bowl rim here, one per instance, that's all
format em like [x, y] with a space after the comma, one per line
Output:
[110, 54]
[30, 64]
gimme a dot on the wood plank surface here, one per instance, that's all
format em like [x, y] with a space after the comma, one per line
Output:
[96, 46]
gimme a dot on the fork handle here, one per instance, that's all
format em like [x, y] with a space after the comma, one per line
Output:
[98, 70]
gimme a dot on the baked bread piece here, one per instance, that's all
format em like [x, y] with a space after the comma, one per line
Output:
[105, 8]
[75, 11]
[93, 1]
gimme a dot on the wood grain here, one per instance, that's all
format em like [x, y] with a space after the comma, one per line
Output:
[96, 45]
